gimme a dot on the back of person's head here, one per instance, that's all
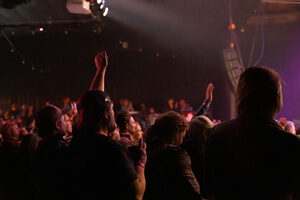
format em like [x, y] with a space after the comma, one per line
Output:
[199, 127]
[259, 93]
[92, 108]
[290, 127]
[46, 120]
[122, 119]
[169, 128]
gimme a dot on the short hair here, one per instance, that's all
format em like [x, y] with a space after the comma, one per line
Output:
[92, 106]
[259, 92]
[122, 119]
[198, 128]
[166, 127]
[46, 120]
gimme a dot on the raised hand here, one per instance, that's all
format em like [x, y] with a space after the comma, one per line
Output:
[101, 61]
[209, 92]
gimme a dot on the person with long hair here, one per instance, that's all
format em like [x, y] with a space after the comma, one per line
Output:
[168, 172]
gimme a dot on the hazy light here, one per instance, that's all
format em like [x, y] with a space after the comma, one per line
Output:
[41, 29]
[231, 27]
[99, 1]
[106, 11]
[102, 6]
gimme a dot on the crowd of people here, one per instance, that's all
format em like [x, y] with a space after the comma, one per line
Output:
[87, 151]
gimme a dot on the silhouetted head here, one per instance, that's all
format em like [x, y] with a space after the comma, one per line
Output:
[49, 121]
[259, 93]
[96, 111]
[199, 127]
[169, 128]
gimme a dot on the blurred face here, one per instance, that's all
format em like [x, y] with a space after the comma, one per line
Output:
[182, 103]
[62, 125]
[112, 125]
[131, 126]
[68, 122]
[151, 110]
[115, 135]
[30, 108]
[15, 131]
[13, 107]
[138, 133]
[125, 102]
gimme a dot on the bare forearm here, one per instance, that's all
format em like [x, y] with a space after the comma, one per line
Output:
[140, 183]
[98, 81]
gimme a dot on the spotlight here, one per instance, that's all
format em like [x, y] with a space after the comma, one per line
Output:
[98, 8]
[105, 12]
[41, 29]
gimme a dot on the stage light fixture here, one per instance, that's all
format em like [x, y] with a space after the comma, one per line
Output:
[105, 12]
[98, 8]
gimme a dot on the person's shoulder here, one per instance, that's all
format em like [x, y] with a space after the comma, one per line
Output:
[94, 139]
[222, 131]
[176, 151]
[290, 139]
[62, 143]
[225, 126]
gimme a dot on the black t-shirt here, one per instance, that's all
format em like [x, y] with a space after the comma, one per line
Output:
[251, 159]
[196, 151]
[51, 167]
[169, 175]
[102, 169]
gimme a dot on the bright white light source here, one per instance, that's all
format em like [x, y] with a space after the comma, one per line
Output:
[41, 29]
[99, 1]
[102, 6]
[106, 11]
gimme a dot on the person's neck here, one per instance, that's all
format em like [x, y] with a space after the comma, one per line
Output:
[103, 131]
[94, 129]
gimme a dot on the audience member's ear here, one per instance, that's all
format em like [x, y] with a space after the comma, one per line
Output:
[106, 114]
[58, 124]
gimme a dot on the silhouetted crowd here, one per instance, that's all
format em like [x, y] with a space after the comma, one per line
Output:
[86, 150]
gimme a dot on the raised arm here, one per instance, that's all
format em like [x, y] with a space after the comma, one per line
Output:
[202, 110]
[140, 183]
[101, 62]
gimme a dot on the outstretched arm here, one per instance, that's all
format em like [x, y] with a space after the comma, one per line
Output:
[101, 62]
[208, 99]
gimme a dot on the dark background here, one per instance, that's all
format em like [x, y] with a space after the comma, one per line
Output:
[170, 57]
